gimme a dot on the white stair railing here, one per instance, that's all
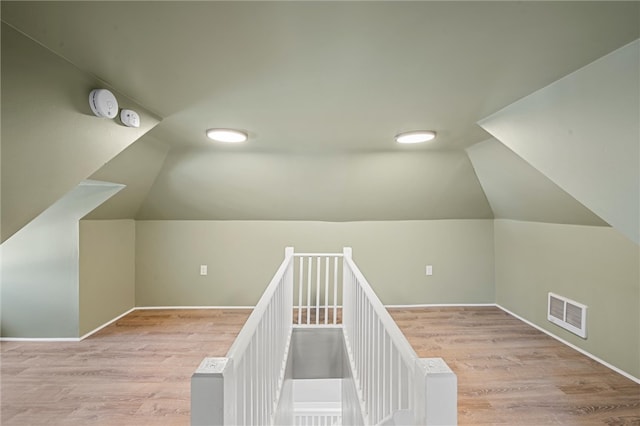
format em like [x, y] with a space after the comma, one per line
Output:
[317, 418]
[244, 387]
[389, 376]
[393, 385]
[319, 285]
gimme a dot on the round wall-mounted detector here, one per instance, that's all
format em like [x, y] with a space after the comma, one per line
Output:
[130, 118]
[103, 103]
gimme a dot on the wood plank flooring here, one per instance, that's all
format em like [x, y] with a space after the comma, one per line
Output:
[134, 372]
[137, 371]
[512, 374]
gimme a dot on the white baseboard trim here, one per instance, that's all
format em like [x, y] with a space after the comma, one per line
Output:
[65, 339]
[107, 324]
[136, 308]
[443, 305]
[39, 339]
[571, 345]
[144, 308]
[548, 333]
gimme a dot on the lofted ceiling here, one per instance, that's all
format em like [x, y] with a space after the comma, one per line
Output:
[321, 88]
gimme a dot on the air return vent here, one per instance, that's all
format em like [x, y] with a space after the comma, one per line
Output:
[568, 314]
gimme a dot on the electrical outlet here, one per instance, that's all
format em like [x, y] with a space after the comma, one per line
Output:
[429, 270]
[203, 269]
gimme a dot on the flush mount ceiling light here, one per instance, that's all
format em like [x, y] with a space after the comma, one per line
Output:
[416, 136]
[227, 135]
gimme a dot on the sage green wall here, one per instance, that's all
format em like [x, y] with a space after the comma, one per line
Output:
[51, 140]
[596, 266]
[39, 273]
[107, 271]
[242, 256]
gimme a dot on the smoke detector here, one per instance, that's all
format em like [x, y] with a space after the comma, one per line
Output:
[130, 118]
[103, 103]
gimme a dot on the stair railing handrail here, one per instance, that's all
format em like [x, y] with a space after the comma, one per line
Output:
[244, 387]
[392, 384]
[384, 381]
[388, 384]
[400, 341]
[243, 339]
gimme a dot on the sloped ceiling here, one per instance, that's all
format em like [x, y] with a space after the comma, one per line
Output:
[518, 191]
[50, 139]
[583, 132]
[137, 168]
[322, 88]
[267, 186]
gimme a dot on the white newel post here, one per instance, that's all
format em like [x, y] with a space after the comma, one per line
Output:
[436, 393]
[288, 251]
[208, 392]
[347, 252]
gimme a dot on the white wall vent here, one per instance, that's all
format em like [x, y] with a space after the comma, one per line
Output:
[568, 314]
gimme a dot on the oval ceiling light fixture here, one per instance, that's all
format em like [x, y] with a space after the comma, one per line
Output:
[227, 135]
[416, 136]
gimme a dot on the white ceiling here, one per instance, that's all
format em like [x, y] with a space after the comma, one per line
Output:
[322, 88]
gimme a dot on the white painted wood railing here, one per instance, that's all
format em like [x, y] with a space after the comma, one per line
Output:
[248, 381]
[390, 380]
[389, 376]
[319, 284]
[317, 418]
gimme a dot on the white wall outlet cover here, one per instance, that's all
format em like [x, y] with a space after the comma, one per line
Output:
[103, 103]
[130, 118]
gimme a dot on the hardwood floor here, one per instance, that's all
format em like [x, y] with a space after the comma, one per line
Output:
[137, 371]
[512, 374]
